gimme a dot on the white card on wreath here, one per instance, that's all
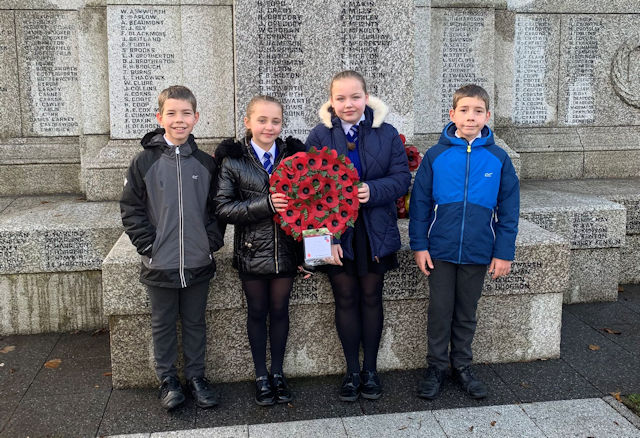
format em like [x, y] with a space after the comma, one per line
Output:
[317, 248]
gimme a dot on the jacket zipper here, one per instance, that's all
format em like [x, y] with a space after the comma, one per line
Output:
[493, 215]
[180, 219]
[435, 216]
[464, 206]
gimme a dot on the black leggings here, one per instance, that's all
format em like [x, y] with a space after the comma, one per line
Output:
[359, 317]
[268, 297]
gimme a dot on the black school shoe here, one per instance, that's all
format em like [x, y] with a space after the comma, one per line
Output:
[474, 387]
[431, 385]
[370, 388]
[202, 392]
[281, 389]
[171, 395]
[265, 395]
[350, 389]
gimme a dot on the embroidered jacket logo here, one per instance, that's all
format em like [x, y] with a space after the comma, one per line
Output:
[194, 176]
[488, 174]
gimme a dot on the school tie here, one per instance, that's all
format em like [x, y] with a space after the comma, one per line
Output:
[266, 162]
[352, 137]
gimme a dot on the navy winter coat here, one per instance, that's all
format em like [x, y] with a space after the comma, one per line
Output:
[465, 201]
[384, 168]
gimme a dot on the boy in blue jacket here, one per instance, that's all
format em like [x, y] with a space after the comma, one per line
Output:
[463, 214]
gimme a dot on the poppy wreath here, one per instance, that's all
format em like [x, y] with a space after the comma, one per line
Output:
[323, 192]
[415, 158]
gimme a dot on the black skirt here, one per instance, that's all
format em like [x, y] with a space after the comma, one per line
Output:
[246, 276]
[362, 263]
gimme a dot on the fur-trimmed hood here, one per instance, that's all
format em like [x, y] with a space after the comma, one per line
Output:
[235, 149]
[380, 111]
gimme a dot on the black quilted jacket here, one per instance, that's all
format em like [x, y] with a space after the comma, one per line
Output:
[260, 245]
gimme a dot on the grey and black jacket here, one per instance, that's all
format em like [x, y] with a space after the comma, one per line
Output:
[168, 212]
[261, 247]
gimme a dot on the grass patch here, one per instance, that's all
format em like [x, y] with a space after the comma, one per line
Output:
[632, 401]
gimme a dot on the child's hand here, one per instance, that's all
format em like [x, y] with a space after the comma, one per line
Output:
[423, 259]
[363, 193]
[499, 268]
[279, 201]
[336, 255]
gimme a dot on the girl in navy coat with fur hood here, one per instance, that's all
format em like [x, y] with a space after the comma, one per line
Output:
[353, 125]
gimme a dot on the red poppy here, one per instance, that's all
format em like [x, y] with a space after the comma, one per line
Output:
[335, 224]
[282, 185]
[290, 215]
[349, 191]
[413, 156]
[352, 173]
[331, 199]
[305, 189]
[300, 164]
[403, 138]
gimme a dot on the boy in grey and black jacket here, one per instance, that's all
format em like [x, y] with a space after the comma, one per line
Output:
[168, 212]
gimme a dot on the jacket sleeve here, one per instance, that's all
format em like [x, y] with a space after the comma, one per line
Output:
[312, 140]
[508, 213]
[420, 207]
[396, 183]
[133, 210]
[231, 209]
[215, 228]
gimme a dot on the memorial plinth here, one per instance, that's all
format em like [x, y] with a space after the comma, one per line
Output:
[519, 316]
[595, 228]
[51, 252]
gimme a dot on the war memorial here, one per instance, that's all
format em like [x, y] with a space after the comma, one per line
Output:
[78, 87]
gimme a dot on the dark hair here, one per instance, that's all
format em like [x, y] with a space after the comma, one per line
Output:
[348, 74]
[252, 103]
[179, 92]
[471, 90]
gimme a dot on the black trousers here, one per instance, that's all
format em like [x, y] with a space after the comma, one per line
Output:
[166, 305]
[454, 291]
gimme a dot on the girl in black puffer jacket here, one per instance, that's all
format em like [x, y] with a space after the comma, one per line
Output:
[266, 258]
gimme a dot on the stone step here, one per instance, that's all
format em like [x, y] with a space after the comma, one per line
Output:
[51, 253]
[622, 191]
[519, 316]
[595, 228]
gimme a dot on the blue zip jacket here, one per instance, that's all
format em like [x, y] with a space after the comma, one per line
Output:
[465, 201]
[384, 168]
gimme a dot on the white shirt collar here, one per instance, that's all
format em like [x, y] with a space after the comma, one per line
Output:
[260, 152]
[476, 137]
[346, 125]
[167, 140]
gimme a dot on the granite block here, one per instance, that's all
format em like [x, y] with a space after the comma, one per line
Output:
[295, 69]
[592, 417]
[596, 70]
[552, 165]
[34, 150]
[528, 56]
[10, 123]
[409, 424]
[528, 139]
[461, 52]
[573, 6]
[421, 83]
[331, 427]
[48, 4]
[611, 164]
[587, 221]
[513, 155]
[594, 275]
[488, 421]
[57, 233]
[218, 432]
[27, 180]
[208, 59]
[5, 202]
[93, 70]
[630, 260]
[50, 302]
[622, 191]
[47, 63]
[132, 363]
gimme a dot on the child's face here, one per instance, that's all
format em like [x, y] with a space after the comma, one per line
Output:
[178, 119]
[348, 99]
[265, 122]
[470, 116]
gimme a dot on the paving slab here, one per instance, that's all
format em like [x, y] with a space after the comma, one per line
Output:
[488, 421]
[591, 417]
[630, 297]
[67, 415]
[138, 410]
[409, 424]
[326, 428]
[606, 365]
[545, 380]
[218, 432]
[22, 364]
[82, 345]
[7, 406]
[73, 376]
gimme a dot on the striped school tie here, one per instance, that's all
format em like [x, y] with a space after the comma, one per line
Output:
[266, 162]
[352, 137]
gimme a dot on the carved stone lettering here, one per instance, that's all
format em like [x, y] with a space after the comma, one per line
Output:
[519, 279]
[49, 72]
[67, 248]
[590, 231]
[530, 59]
[11, 255]
[582, 56]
